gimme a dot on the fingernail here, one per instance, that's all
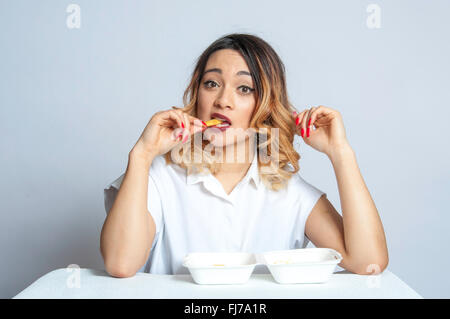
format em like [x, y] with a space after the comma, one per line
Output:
[309, 123]
[204, 123]
[297, 121]
[182, 124]
[307, 132]
[303, 132]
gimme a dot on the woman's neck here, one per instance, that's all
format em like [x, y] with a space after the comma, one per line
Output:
[238, 165]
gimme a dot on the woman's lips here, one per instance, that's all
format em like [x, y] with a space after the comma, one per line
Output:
[221, 117]
[223, 128]
[218, 123]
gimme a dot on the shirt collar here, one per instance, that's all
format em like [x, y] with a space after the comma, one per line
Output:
[252, 174]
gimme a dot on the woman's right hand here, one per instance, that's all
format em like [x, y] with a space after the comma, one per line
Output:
[165, 130]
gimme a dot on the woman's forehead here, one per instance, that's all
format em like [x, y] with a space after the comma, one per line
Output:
[227, 60]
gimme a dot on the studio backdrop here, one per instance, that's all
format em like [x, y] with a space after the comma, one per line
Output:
[80, 79]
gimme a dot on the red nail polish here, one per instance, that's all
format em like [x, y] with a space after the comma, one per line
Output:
[307, 132]
[297, 121]
[303, 131]
[182, 124]
[309, 123]
[204, 123]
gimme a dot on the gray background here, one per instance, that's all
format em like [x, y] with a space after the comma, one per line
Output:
[74, 102]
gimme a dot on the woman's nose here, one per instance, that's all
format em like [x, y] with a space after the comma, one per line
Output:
[225, 98]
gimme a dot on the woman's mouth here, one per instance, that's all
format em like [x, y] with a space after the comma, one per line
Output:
[219, 122]
[221, 117]
[223, 126]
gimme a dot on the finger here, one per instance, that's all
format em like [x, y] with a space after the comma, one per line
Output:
[302, 122]
[295, 116]
[306, 121]
[300, 117]
[168, 119]
[178, 119]
[181, 131]
[196, 121]
[175, 110]
[314, 115]
[193, 124]
[196, 124]
[187, 128]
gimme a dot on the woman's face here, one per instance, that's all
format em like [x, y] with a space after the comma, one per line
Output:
[227, 88]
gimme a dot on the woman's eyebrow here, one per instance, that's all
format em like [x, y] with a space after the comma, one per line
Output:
[220, 72]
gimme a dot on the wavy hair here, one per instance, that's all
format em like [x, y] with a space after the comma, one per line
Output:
[272, 110]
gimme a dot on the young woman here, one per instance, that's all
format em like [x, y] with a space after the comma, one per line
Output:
[184, 191]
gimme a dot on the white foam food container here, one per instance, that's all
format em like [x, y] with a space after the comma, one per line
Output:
[220, 267]
[305, 265]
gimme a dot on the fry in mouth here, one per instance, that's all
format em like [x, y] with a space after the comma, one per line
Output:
[213, 122]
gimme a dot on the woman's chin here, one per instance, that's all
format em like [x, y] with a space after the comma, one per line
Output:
[222, 138]
[220, 142]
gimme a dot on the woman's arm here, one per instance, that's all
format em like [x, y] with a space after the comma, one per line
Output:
[129, 229]
[358, 235]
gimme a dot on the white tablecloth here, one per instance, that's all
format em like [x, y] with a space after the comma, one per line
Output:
[92, 283]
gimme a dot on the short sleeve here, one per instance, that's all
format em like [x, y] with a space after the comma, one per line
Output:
[308, 196]
[110, 193]
[153, 204]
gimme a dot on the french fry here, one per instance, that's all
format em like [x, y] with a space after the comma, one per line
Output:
[213, 122]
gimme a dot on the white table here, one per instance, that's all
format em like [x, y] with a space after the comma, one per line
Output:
[97, 284]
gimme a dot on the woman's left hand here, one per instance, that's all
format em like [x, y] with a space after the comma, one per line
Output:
[329, 134]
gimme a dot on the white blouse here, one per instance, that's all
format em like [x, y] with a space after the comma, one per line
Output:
[193, 213]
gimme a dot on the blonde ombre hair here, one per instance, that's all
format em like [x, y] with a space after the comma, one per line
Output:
[272, 110]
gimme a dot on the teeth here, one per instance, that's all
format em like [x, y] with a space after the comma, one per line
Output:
[217, 123]
[222, 120]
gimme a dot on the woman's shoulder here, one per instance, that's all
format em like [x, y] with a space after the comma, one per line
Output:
[157, 166]
[164, 172]
[303, 187]
[158, 163]
[297, 183]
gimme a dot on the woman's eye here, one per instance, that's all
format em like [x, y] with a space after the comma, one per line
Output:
[210, 84]
[245, 89]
